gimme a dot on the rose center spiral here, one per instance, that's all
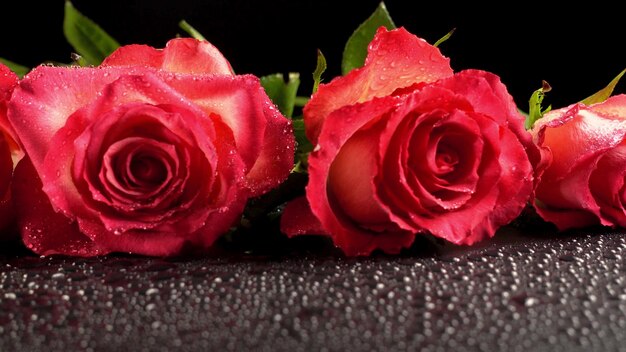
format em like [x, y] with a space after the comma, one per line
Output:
[146, 170]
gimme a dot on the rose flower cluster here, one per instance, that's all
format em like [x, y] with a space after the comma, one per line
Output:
[157, 152]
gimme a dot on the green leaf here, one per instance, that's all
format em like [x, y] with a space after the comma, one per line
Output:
[90, 41]
[604, 93]
[355, 50]
[304, 146]
[184, 25]
[19, 70]
[281, 92]
[320, 68]
[445, 37]
[535, 112]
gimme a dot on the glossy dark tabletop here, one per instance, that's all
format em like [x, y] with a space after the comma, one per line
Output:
[528, 289]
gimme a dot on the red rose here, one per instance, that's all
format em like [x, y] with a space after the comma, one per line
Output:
[9, 149]
[584, 183]
[438, 153]
[154, 152]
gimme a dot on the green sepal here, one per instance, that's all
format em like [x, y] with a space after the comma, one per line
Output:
[320, 68]
[535, 111]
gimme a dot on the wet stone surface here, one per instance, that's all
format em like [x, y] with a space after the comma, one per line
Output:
[519, 293]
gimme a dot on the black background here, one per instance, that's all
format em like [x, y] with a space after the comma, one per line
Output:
[577, 50]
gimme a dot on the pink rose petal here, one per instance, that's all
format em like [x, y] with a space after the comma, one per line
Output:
[180, 55]
[395, 59]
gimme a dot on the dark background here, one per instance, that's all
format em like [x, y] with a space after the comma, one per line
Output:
[577, 50]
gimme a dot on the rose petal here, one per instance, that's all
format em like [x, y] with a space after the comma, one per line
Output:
[614, 106]
[264, 137]
[180, 55]
[447, 186]
[571, 194]
[399, 198]
[340, 126]
[395, 59]
[8, 81]
[43, 230]
[135, 171]
[566, 218]
[47, 96]
[607, 185]
[576, 133]
[298, 219]
[489, 96]
[350, 177]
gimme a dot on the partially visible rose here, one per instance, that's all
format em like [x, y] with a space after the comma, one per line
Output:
[9, 151]
[585, 182]
[403, 146]
[155, 152]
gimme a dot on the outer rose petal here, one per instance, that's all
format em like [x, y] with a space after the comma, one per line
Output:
[8, 148]
[297, 219]
[8, 81]
[614, 106]
[43, 230]
[350, 180]
[263, 135]
[571, 202]
[396, 59]
[180, 55]
[340, 126]
[607, 183]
